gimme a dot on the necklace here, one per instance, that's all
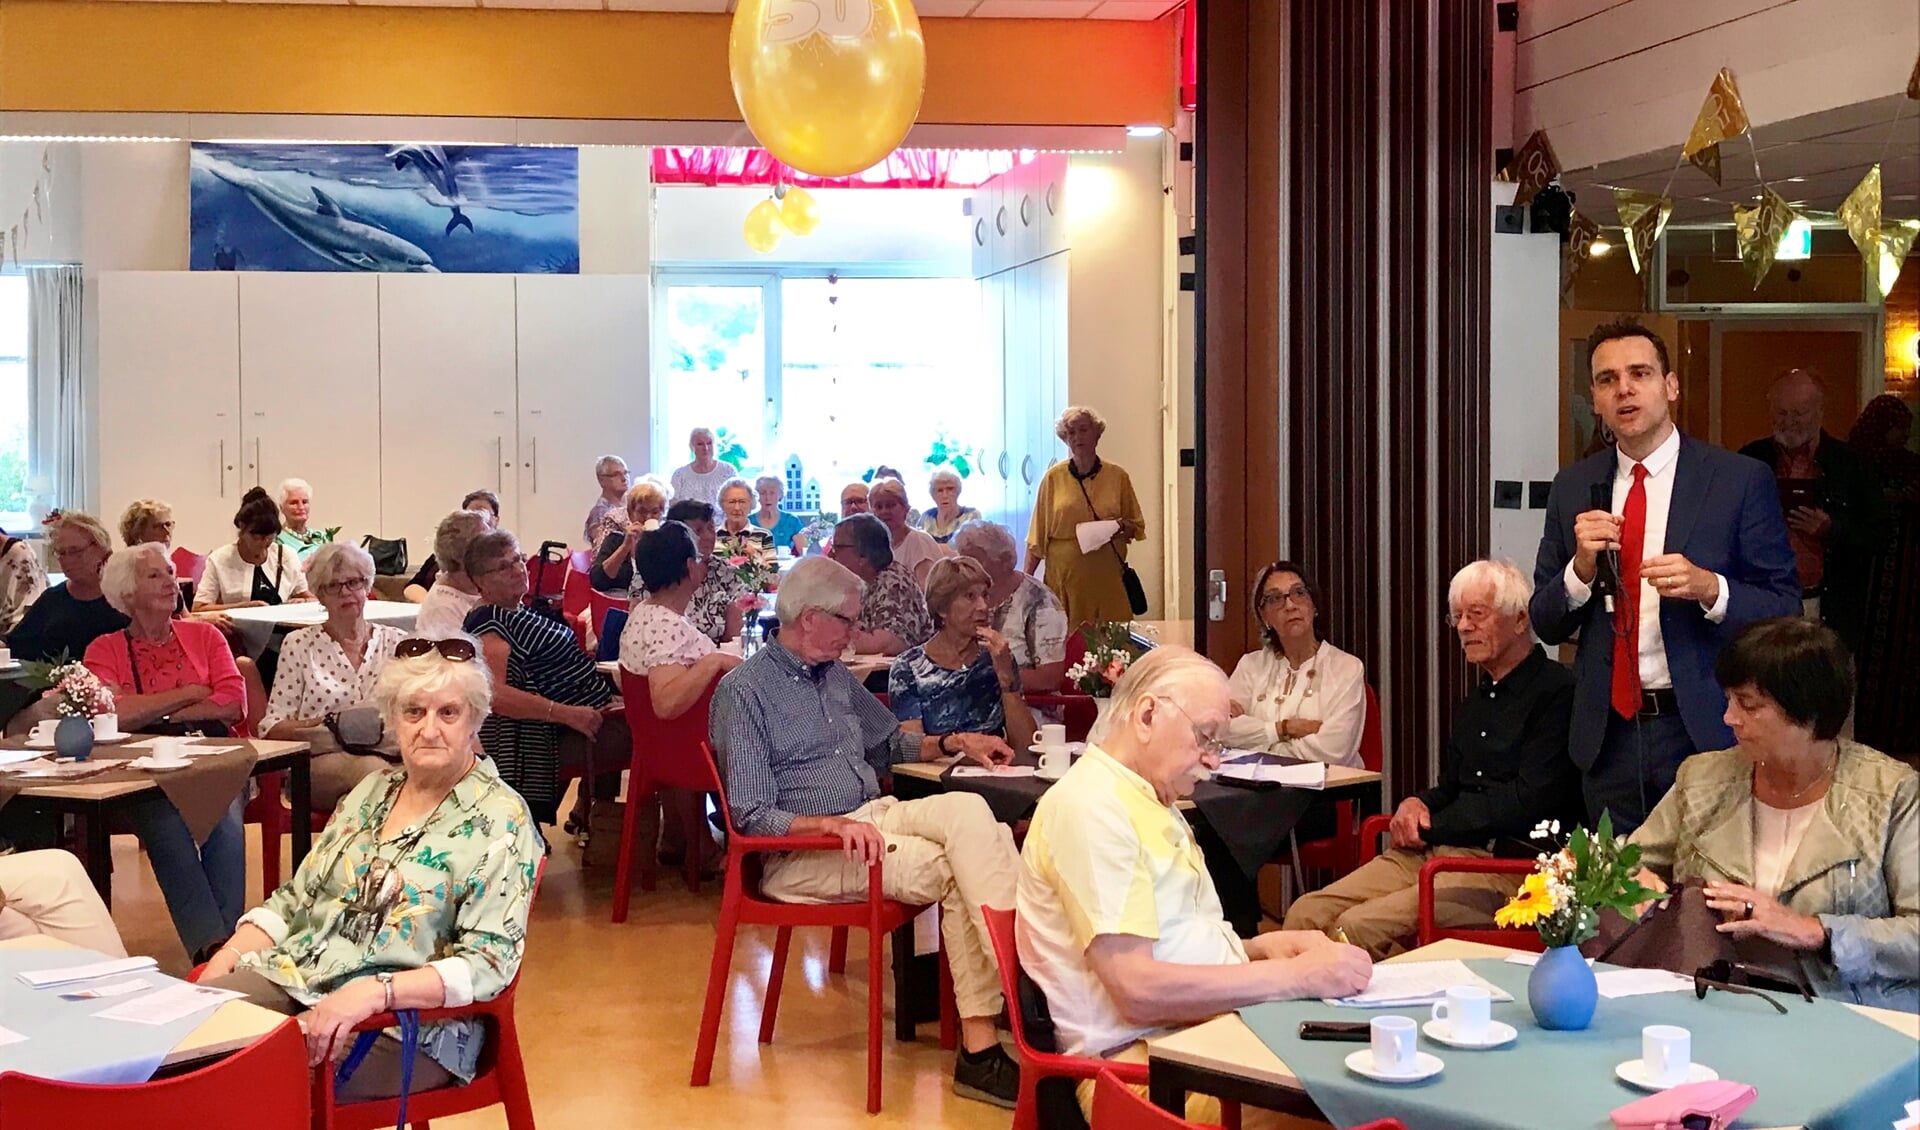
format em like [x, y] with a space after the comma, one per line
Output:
[1832, 764]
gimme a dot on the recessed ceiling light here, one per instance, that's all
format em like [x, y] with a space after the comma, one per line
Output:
[1143, 131]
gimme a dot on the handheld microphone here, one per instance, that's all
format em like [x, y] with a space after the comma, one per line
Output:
[1606, 573]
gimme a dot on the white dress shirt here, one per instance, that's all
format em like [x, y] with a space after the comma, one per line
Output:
[1661, 466]
[1330, 687]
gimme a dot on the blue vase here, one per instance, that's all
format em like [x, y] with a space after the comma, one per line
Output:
[73, 738]
[1562, 991]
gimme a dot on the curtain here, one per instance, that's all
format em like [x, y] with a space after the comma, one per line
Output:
[56, 403]
[903, 168]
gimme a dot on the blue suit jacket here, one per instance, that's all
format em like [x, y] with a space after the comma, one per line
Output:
[1725, 517]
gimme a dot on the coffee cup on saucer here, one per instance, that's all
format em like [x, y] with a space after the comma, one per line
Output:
[1466, 1013]
[43, 731]
[167, 751]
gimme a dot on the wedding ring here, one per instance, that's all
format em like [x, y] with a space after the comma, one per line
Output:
[1749, 910]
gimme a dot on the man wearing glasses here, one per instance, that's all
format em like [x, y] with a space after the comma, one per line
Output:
[1504, 772]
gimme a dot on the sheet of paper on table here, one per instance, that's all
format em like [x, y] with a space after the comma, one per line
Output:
[1530, 959]
[187, 749]
[67, 975]
[117, 989]
[1404, 983]
[1617, 983]
[996, 771]
[1312, 775]
[1912, 1120]
[1093, 535]
[9, 1036]
[65, 770]
[14, 756]
[169, 1004]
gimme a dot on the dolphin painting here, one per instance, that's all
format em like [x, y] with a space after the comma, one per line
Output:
[319, 225]
[435, 168]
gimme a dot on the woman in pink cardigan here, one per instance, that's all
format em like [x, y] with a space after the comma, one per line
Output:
[179, 673]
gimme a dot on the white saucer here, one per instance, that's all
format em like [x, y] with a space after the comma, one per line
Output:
[1071, 747]
[1424, 1067]
[1046, 776]
[162, 766]
[1496, 1035]
[110, 739]
[1634, 1074]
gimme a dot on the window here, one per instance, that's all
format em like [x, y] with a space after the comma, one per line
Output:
[14, 404]
[819, 380]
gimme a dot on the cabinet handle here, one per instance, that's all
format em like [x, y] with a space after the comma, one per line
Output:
[1003, 465]
[256, 460]
[1026, 469]
[220, 468]
[500, 469]
[533, 464]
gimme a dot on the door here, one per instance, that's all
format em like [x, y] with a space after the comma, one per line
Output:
[1748, 354]
[310, 391]
[583, 392]
[169, 373]
[447, 402]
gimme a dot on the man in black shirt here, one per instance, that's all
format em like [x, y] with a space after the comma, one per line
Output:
[1505, 770]
[69, 616]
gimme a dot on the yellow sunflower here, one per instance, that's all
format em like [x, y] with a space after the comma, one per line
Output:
[1530, 903]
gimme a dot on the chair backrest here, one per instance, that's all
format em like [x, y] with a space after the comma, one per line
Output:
[602, 604]
[576, 587]
[1117, 1106]
[264, 1084]
[1373, 741]
[1520, 938]
[188, 565]
[674, 750]
[547, 572]
[1006, 955]
[607, 636]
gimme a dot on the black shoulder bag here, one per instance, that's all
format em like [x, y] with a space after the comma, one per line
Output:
[1136, 592]
[198, 728]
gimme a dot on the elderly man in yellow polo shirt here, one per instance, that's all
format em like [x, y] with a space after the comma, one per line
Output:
[1119, 923]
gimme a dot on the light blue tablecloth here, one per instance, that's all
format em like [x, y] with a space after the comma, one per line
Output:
[64, 1039]
[1822, 1065]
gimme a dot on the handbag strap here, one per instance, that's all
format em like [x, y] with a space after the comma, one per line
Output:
[1096, 514]
[133, 664]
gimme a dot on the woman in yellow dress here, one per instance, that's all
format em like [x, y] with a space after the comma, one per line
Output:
[1082, 488]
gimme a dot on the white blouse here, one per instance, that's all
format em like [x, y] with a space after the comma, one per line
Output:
[315, 678]
[228, 578]
[656, 636]
[444, 612]
[1330, 687]
[22, 580]
[1777, 833]
[916, 547]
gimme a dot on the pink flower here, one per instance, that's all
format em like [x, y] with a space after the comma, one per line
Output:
[1114, 669]
[736, 562]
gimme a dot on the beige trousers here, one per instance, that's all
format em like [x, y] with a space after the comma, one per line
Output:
[946, 849]
[48, 892]
[1378, 906]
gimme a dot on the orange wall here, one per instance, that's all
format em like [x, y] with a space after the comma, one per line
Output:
[1903, 333]
[328, 59]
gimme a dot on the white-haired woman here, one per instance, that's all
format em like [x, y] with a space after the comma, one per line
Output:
[612, 569]
[22, 580]
[783, 527]
[605, 517]
[963, 680]
[736, 512]
[945, 517]
[179, 674]
[1298, 696]
[913, 549]
[453, 594]
[415, 896]
[1019, 607]
[296, 507]
[482, 502]
[330, 667]
[702, 479]
[73, 613]
[1083, 488]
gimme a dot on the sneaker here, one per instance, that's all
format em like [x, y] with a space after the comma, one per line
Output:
[994, 1079]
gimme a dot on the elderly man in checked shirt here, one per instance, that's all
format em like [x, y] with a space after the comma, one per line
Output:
[802, 745]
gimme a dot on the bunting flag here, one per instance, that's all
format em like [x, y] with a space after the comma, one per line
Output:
[1534, 167]
[1722, 116]
[1581, 232]
[1758, 229]
[1860, 213]
[1643, 215]
[1894, 242]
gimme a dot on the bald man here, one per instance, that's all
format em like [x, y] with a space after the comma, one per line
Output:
[1830, 498]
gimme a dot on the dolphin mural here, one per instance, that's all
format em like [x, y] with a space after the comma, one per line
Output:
[442, 185]
[312, 218]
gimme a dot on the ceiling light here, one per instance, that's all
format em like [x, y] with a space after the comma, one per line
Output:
[1143, 131]
[1599, 246]
[1797, 241]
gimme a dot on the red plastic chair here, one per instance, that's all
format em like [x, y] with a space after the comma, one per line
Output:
[741, 903]
[1117, 1106]
[576, 591]
[188, 565]
[601, 604]
[1519, 938]
[667, 753]
[262, 1085]
[1340, 853]
[1077, 711]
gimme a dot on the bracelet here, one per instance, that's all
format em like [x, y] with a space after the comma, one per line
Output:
[237, 955]
[550, 705]
[942, 744]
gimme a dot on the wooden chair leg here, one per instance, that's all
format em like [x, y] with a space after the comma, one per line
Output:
[837, 951]
[717, 976]
[774, 979]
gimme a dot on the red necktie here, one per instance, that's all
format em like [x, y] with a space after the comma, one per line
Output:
[1626, 634]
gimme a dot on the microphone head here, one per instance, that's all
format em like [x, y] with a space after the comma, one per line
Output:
[1600, 496]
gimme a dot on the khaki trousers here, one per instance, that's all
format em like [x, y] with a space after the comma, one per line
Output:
[377, 1077]
[1378, 906]
[946, 849]
[48, 892]
[1204, 1109]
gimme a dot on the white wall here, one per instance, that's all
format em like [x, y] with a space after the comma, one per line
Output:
[53, 235]
[1619, 78]
[921, 232]
[1522, 379]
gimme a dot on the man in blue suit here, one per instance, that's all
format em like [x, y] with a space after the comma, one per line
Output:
[1702, 551]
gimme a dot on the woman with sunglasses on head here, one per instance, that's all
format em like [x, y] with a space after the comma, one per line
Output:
[1298, 696]
[415, 896]
[1802, 838]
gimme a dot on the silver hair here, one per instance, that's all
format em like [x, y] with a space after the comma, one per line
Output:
[334, 556]
[1075, 412]
[489, 548]
[698, 433]
[87, 524]
[944, 475]
[404, 680]
[779, 484]
[293, 484]
[983, 540]
[1510, 587]
[607, 463]
[817, 582]
[1157, 674]
[452, 536]
[887, 485]
[122, 574]
[731, 484]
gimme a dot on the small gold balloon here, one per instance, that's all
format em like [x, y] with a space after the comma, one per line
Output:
[830, 87]
[799, 211]
[763, 227]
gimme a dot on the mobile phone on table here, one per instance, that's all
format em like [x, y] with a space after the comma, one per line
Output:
[1345, 1031]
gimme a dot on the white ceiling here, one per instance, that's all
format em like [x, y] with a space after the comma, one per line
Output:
[1813, 161]
[1002, 9]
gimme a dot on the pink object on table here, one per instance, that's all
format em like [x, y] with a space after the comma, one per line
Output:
[1722, 1100]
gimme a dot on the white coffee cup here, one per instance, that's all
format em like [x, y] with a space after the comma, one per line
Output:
[106, 725]
[1053, 734]
[1394, 1041]
[1054, 760]
[167, 750]
[43, 729]
[6, 656]
[1466, 1011]
[1666, 1052]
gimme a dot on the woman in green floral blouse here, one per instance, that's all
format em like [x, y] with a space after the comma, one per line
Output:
[416, 894]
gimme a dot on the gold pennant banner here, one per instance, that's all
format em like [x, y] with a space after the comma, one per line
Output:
[1644, 216]
[1860, 213]
[1758, 229]
[1534, 167]
[1722, 116]
[1581, 232]
[1707, 161]
[1892, 244]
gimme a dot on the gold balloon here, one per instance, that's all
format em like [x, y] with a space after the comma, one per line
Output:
[763, 227]
[830, 87]
[799, 211]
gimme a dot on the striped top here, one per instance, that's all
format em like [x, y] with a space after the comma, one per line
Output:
[542, 659]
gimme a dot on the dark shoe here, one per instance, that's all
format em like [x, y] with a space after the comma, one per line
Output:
[992, 1078]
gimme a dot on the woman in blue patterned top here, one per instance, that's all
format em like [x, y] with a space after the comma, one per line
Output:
[964, 679]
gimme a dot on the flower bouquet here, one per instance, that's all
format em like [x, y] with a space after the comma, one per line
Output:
[754, 563]
[1562, 899]
[79, 693]
[1109, 654]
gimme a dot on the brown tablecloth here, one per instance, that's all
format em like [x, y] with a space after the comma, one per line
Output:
[202, 791]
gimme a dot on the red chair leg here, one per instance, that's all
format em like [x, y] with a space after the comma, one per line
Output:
[876, 989]
[512, 1071]
[949, 1008]
[1229, 1115]
[717, 976]
[1026, 1109]
[837, 951]
[775, 976]
[623, 871]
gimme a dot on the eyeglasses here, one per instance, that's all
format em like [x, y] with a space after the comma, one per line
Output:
[346, 585]
[453, 650]
[1725, 975]
[847, 622]
[1468, 616]
[1209, 745]
[1297, 593]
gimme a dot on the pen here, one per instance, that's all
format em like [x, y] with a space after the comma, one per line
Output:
[1340, 936]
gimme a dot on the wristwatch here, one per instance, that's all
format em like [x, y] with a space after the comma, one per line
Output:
[943, 745]
[1826, 942]
[386, 986]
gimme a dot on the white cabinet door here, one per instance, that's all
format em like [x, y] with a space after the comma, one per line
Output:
[310, 391]
[583, 393]
[447, 400]
[169, 368]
